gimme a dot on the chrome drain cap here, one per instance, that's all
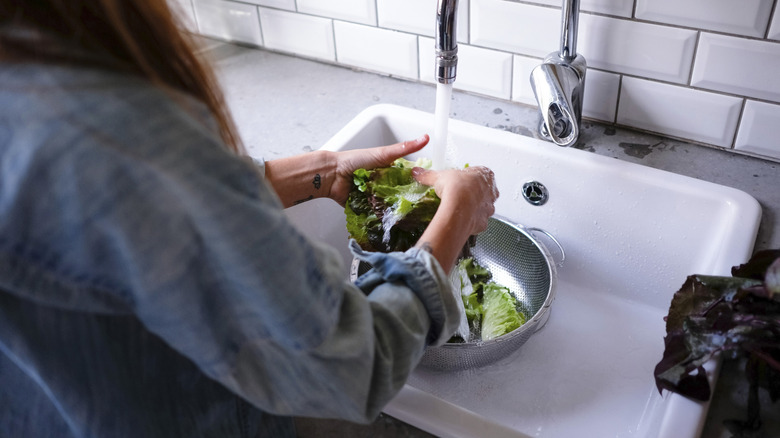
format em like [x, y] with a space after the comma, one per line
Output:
[535, 193]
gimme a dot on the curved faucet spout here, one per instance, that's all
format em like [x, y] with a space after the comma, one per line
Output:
[558, 87]
[559, 83]
[446, 41]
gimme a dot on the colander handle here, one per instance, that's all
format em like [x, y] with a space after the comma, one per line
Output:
[559, 263]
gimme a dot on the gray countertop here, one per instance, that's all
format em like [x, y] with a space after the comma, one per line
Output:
[285, 105]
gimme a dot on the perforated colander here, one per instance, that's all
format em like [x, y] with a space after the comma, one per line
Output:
[518, 261]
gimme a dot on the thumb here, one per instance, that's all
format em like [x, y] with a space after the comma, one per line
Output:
[398, 150]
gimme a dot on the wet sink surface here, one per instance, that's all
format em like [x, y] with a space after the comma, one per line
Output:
[632, 235]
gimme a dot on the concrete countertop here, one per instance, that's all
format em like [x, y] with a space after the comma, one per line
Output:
[285, 105]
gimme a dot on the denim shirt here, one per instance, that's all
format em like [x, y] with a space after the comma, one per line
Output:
[151, 285]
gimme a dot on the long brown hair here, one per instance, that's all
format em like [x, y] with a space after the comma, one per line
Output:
[138, 36]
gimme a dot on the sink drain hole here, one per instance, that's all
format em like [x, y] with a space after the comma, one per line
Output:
[535, 193]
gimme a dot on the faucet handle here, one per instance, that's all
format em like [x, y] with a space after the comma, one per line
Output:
[559, 119]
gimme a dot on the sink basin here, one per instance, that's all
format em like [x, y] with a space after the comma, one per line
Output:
[632, 234]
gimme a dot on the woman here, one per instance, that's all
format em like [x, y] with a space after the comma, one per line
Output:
[150, 284]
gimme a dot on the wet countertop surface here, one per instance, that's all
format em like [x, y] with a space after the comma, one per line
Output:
[285, 105]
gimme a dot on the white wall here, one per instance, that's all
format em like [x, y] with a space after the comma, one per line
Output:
[702, 70]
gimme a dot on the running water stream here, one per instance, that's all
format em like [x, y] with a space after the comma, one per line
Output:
[439, 162]
[440, 129]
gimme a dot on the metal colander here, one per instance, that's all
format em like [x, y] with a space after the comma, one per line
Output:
[518, 261]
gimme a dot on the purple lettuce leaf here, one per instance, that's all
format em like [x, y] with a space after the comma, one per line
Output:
[736, 317]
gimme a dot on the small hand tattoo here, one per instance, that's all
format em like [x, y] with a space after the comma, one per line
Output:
[317, 181]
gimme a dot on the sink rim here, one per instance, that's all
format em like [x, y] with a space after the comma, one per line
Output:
[746, 231]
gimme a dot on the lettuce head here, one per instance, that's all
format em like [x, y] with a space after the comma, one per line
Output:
[387, 209]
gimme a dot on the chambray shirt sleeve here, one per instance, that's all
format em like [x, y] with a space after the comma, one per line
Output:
[266, 312]
[140, 208]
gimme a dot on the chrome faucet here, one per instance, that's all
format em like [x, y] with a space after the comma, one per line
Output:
[559, 83]
[446, 41]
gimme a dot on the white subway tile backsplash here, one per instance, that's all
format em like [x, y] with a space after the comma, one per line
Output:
[228, 20]
[744, 17]
[426, 53]
[281, 4]
[182, 9]
[759, 132]
[601, 93]
[641, 49]
[482, 71]
[515, 27]
[736, 65]
[485, 71]
[521, 79]
[376, 49]
[679, 68]
[678, 111]
[359, 11]
[555, 3]
[774, 27]
[419, 16]
[297, 33]
[415, 16]
[622, 8]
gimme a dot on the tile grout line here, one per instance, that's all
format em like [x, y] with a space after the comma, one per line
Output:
[739, 124]
[419, 58]
[772, 14]
[617, 103]
[335, 46]
[260, 26]
[694, 58]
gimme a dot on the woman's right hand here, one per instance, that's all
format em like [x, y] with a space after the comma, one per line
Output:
[467, 202]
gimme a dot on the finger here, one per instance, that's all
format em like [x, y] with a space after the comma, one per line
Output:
[416, 144]
[398, 150]
[381, 156]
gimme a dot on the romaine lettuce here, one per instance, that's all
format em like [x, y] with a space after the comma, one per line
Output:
[500, 312]
[491, 309]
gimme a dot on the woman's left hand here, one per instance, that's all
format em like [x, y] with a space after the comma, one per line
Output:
[349, 161]
[319, 174]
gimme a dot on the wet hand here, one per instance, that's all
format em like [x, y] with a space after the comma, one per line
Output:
[469, 193]
[349, 161]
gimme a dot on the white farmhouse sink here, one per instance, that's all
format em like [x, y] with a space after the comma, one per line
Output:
[632, 234]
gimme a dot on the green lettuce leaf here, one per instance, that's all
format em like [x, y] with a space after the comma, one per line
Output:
[500, 312]
[387, 209]
[475, 272]
[491, 309]
[474, 310]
